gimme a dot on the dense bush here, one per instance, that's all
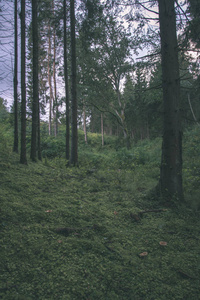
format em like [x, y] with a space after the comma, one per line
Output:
[52, 147]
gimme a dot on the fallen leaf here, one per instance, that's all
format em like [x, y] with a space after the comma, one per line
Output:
[162, 243]
[143, 254]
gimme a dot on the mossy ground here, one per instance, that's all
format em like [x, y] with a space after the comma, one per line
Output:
[97, 257]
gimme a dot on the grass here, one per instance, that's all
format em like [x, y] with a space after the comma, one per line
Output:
[68, 233]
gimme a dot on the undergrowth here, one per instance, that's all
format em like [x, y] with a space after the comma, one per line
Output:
[70, 233]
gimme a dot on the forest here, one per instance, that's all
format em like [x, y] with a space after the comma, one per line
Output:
[99, 149]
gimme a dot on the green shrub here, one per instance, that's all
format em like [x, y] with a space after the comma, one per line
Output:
[52, 147]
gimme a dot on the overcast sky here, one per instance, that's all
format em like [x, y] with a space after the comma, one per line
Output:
[6, 49]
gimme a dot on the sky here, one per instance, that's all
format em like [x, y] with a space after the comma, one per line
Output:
[6, 49]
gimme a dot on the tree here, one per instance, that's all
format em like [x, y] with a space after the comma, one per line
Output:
[35, 137]
[15, 146]
[67, 151]
[74, 136]
[23, 158]
[55, 104]
[171, 162]
[193, 28]
[105, 62]
[49, 79]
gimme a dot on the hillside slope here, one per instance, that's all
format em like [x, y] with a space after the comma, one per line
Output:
[80, 234]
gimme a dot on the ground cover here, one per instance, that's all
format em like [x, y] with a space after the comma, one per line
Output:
[73, 233]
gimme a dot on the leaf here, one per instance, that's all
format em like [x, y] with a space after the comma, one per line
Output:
[143, 254]
[162, 243]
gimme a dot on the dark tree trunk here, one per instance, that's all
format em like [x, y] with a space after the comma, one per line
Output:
[38, 133]
[16, 142]
[84, 122]
[74, 139]
[102, 130]
[23, 158]
[49, 80]
[171, 163]
[55, 106]
[66, 83]
[35, 104]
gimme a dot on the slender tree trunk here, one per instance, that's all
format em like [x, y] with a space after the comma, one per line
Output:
[15, 146]
[148, 133]
[35, 103]
[192, 111]
[38, 134]
[23, 158]
[171, 163]
[74, 139]
[121, 116]
[84, 122]
[55, 86]
[102, 130]
[50, 85]
[92, 121]
[67, 154]
[55, 105]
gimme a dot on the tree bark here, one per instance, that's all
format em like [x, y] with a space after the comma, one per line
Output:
[171, 162]
[16, 141]
[23, 158]
[66, 83]
[55, 106]
[35, 136]
[102, 130]
[55, 87]
[49, 80]
[74, 137]
[84, 122]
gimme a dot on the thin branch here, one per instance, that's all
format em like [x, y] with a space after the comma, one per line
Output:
[192, 110]
[106, 111]
[149, 55]
[149, 10]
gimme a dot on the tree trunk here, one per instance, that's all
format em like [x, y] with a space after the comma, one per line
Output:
[55, 106]
[50, 85]
[122, 119]
[66, 83]
[192, 111]
[102, 130]
[15, 146]
[55, 88]
[84, 122]
[38, 105]
[74, 138]
[23, 158]
[38, 134]
[35, 103]
[171, 162]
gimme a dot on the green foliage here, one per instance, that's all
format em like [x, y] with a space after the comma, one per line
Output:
[191, 167]
[52, 147]
[4, 115]
[5, 131]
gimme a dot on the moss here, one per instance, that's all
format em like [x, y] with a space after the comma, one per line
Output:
[98, 258]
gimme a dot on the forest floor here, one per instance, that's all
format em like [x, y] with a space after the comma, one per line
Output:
[78, 233]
